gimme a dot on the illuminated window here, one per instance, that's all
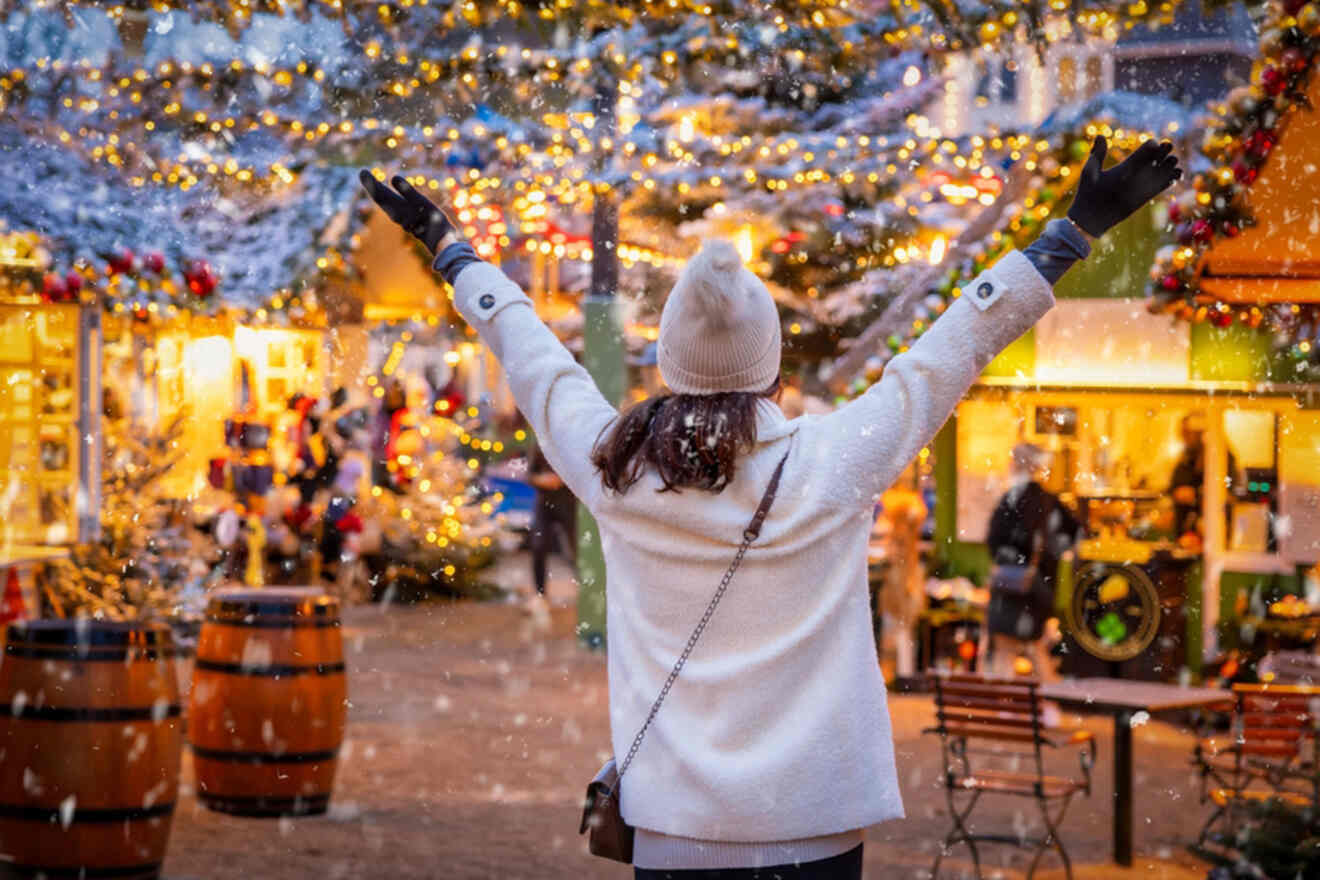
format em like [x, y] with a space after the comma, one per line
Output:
[38, 422]
[1067, 79]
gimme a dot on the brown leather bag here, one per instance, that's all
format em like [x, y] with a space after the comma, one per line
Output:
[610, 836]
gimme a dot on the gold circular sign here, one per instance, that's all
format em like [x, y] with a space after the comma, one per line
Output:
[1114, 612]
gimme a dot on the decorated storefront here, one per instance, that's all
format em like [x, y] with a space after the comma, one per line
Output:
[49, 419]
[1188, 465]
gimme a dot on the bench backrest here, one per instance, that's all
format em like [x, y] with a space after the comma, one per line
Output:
[996, 709]
[1274, 721]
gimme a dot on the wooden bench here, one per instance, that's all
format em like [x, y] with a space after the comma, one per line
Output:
[998, 721]
[1269, 752]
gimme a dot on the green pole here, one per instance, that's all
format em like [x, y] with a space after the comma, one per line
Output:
[945, 448]
[603, 357]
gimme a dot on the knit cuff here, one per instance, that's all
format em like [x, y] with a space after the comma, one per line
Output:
[1059, 246]
[454, 259]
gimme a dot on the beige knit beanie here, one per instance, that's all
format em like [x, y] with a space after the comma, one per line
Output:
[719, 330]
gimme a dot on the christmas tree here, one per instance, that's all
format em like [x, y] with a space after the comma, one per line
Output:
[149, 562]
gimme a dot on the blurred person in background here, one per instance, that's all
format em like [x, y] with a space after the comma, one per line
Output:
[554, 524]
[1030, 530]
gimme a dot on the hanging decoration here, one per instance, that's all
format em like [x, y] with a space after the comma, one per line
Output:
[1237, 145]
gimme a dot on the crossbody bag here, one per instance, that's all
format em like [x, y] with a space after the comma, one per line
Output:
[610, 836]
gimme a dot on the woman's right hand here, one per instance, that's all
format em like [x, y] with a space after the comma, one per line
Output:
[417, 214]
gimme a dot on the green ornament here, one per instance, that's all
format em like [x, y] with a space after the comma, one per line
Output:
[893, 341]
[1079, 149]
[1111, 628]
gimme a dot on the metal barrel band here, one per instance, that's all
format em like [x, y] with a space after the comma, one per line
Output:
[271, 670]
[26, 813]
[320, 757]
[79, 713]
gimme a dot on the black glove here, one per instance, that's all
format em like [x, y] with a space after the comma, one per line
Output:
[410, 209]
[1106, 198]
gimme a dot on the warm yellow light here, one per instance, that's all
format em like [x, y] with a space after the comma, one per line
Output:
[208, 359]
[938, 247]
[686, 129]
[742, 240]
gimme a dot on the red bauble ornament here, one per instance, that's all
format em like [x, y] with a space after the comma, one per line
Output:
[1202, 231]
[1260, 143]
[1273, 81]
[201, 278]
[1293, 60]
[121, 262]
[1292, 7]
[1171, 283]
[1175, 213]
[1230, 229]
[1243, 172]
[154, 261]
[53, 288]
[74, 282]
[1222, 320]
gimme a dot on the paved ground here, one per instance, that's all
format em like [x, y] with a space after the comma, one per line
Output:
[472, 732]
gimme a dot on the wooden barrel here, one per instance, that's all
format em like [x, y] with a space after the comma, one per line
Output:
[266, 717]
[90, 738]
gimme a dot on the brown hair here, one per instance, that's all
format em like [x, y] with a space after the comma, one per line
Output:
[690, 440]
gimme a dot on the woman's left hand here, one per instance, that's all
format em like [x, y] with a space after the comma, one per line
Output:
[417, 214]
[1106, 198]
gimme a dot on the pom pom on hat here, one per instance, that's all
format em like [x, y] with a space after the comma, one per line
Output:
[719, 331]
[713, 281]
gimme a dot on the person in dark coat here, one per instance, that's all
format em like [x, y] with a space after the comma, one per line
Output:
[1188, 477]
[1029, 521]
[554, 519]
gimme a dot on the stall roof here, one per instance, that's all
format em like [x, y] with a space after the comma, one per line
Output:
[258, 244]
[1126, 109]
[1277, 259]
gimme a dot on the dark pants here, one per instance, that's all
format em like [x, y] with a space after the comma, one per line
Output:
[847, 866]
[553, 519]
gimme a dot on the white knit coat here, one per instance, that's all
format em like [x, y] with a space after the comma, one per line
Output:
[778, 727]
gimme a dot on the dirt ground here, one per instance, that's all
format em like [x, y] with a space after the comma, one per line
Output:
[472, 733]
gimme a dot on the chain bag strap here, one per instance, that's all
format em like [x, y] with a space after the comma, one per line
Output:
[611, 837]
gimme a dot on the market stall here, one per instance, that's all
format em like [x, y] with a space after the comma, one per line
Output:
[1184, 465]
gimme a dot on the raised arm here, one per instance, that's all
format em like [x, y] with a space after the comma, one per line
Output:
[558, 397]
[865, 445]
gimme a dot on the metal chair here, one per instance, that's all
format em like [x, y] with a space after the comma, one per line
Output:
[1270, 752]
[999, 720]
